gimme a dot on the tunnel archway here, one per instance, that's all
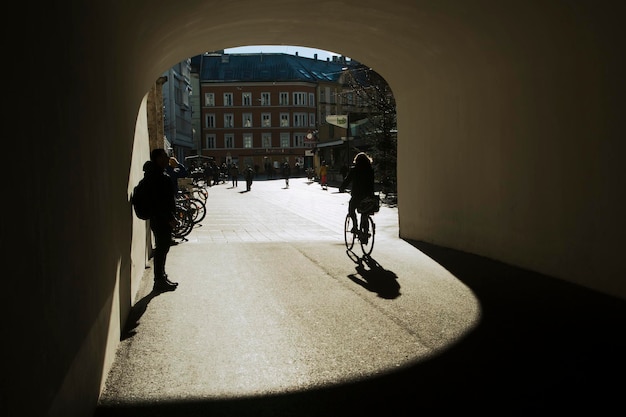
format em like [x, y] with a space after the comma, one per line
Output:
[509, 140]
[469, 96]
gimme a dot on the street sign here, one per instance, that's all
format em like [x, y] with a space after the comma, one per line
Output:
[340, 120]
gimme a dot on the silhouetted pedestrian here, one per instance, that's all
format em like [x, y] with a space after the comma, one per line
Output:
[234, 174]
[249, 176]
[286, 172]
[343, 171]
[324, 175]
[163, 220]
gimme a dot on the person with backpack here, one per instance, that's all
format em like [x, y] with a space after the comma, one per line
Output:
[161, 197]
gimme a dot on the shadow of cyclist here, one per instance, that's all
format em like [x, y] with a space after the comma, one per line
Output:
[373, 277]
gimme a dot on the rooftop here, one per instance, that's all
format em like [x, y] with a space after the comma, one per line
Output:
[218, 67]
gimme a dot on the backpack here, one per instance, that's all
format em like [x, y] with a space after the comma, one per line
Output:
[141, 200]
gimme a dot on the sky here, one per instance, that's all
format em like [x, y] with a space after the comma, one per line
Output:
[285, 49]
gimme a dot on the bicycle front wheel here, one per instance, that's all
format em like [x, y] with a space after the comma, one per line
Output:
[185, 222]
[366, 237]
[347, 232]
[200, 193]
[198, 208]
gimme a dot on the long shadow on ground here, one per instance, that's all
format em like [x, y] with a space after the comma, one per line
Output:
[543, 347]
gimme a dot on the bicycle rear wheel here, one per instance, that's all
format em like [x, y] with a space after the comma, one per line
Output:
[347, 232]
[366, 237]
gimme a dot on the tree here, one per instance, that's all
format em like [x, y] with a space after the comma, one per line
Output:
[374, 97]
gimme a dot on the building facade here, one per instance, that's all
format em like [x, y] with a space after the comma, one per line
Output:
[265, 109]
[177, 110]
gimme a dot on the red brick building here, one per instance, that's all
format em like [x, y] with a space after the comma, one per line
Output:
[260, 109]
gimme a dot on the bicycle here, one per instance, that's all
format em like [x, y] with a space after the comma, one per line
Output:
[196, 206]
[366, 232]
[184, 222]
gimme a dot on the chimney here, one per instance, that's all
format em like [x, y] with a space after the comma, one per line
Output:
[296, 53]
[315, 56]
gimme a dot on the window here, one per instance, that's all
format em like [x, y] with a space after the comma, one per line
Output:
[299, 119]
[209, 99]
[229, 141]
[209, 141]
[284, 99]
[265, 99]
[311, 119]
[299, 99]
[228, 99]
[284, 140]
[210, 120]
[284, 120]
[350, 99]
[228, 120]
[247, 120]
[323, 95]
[298, 140]
[267, 140]
[311, 100]
[266, 120]
[246, 99]
[247, 140]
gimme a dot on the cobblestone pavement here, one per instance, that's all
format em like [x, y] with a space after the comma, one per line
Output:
[270, 212]
[273, 317]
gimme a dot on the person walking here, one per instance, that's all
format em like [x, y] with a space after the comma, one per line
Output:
[248, 175]
[324, 175]
[361, 176]
[343, 171]
[234, 174]
[162, 220]
[286, 171]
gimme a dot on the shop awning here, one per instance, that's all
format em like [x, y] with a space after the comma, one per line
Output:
[333, 143]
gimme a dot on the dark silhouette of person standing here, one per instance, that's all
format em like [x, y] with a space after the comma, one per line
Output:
[286, 171]
[163, 220]
[248, 175]
[361, 176]
[234, 174]
[343, 171]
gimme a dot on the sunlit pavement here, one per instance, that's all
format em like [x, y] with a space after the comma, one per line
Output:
[274, 317]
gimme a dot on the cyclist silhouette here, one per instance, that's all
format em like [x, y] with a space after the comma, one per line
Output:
[361, 176]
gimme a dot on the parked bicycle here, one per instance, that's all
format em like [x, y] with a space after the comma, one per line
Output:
[189, 212]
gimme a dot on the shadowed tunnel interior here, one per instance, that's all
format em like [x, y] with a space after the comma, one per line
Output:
[510, 127]
[542, 347]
